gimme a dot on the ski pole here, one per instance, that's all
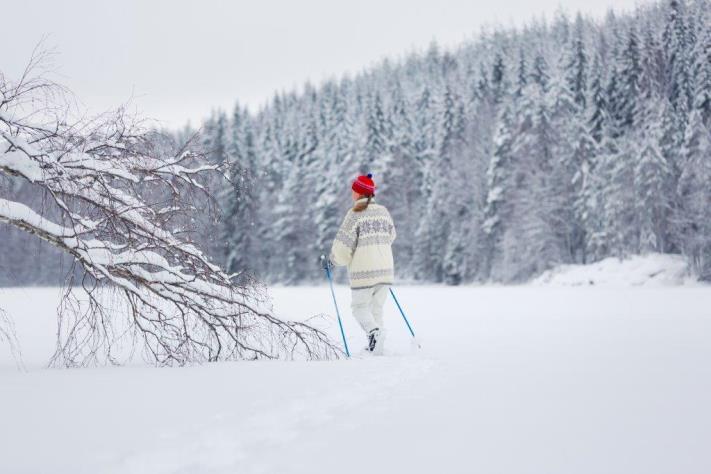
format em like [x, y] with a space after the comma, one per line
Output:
[397, 303]
[338, 314]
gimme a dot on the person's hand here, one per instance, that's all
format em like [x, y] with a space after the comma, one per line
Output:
[326, 263]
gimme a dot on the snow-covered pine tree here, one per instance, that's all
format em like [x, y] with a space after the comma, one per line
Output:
[207, 224]
[424, 253]
[597, 194]
[616, 175]
[288, 221]
[330, 193]
[500, 186]
[377, 132]
[617, 163]
[677, 45]
[452, 195]
[575, 147]
[576, 67]
[240, 220]
[628, 93]
[654, 188]
[270, 183]
[598, 114]
[538, 229]
[521, 74]
[401, 181]
[694, 216]
[702, 75]
[499, 80]
[652, 79]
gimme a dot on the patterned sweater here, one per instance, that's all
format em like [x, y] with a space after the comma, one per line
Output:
[363, 243]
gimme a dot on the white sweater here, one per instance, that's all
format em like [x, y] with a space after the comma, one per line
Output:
[363, 243]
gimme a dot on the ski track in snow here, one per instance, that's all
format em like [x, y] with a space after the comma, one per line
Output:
[510, 380]
[226, 440]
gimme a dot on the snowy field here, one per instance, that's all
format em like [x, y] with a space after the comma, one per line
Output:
[532, 379]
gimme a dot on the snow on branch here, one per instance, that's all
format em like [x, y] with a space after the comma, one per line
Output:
[119, 204]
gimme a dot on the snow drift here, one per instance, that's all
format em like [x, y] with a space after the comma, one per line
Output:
[640, 270]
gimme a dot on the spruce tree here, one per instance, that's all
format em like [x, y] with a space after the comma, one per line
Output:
[241, 210]
[376, 141]
[576, 74]
[702, 74]
[598, 114]
[630, 72]
[677, 43]
[653, 184]
[499, 188]
[694, 216]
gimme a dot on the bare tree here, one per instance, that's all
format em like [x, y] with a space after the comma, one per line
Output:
[117, 206]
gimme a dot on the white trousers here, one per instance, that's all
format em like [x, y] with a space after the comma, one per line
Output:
[367, 306]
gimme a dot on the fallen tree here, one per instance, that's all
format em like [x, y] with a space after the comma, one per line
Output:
[118, 206]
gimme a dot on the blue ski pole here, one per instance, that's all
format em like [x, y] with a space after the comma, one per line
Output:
[397, 303]
[338, 314]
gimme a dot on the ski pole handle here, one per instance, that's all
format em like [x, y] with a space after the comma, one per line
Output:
[326, 262]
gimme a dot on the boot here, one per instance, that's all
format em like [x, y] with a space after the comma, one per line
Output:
[373, 340]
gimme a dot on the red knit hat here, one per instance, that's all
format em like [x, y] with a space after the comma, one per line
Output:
[364, 185]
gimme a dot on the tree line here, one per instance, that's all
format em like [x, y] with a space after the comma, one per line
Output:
[566, 141]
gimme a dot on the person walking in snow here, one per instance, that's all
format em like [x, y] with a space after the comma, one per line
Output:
[364, 244]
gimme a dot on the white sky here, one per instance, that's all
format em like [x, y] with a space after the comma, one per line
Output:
[179, 59]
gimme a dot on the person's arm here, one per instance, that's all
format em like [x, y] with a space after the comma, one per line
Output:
[345, 243]
[393, 233]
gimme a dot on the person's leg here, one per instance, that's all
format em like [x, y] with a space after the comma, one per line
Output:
[361, 308]
[379, 296]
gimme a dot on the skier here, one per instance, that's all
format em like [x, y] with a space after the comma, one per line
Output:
[363, 244]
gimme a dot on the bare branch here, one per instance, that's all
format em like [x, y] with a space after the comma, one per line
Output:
[9, 336]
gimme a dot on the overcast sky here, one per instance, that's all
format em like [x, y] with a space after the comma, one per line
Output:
[179, 59]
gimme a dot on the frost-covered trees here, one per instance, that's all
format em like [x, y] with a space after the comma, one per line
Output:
[572, 143]
[119, 204]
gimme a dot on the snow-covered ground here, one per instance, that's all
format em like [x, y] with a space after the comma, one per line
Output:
[567, 380]
[639, 270]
